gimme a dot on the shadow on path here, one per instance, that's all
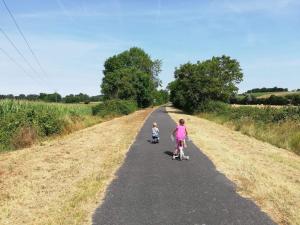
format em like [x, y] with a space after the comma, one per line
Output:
[169, 153]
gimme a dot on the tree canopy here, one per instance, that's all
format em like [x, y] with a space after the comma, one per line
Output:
[131, 74]
[213, 79]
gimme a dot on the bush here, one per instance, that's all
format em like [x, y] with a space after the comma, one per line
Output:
[293, 99]
[49, 123]
[277, 100]
[115, 107]
[213, 106]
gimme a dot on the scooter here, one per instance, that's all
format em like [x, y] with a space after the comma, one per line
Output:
[180, 153]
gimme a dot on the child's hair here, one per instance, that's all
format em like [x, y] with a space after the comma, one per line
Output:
[155, 124]
[181, 121]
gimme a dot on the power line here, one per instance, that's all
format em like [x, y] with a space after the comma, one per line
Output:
[16, 48]
[23, 36]
[15, 62]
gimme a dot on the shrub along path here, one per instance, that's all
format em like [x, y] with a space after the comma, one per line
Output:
[151, 188]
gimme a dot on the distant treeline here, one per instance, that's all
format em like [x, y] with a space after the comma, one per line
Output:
[55, 97]
[291, 99]
[274, 89]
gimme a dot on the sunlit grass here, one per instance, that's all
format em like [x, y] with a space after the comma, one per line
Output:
[263, 172]
[278, 126]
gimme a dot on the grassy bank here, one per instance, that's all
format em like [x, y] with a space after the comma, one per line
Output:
[261, 171]
[23, 123]
[278, 126]
[64, 180]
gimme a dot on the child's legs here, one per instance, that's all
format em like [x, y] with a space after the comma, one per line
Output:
[179, 144]
[155, 137]
[175, 152]
[184, 143]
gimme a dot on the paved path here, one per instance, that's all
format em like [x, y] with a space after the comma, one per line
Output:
[151, 188]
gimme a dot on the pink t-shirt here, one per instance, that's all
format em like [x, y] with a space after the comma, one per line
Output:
[180, 133]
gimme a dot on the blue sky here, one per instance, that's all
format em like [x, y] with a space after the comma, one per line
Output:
[72, 39]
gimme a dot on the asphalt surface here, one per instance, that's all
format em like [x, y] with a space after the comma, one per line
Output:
[151, 188]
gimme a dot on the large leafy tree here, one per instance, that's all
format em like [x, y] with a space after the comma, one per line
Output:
[213, 79]
[131, 75]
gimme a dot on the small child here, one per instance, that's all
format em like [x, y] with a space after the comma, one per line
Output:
[155, 133]
[180, 133]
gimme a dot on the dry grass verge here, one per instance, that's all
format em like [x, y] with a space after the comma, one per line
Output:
[267, 174]
[63, 181]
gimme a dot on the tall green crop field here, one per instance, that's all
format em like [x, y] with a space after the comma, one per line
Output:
[23, 122]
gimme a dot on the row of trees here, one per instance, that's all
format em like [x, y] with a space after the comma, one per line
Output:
[291, 99]
[55, 97]
[196, 84]
[274, 89]
[133, 75]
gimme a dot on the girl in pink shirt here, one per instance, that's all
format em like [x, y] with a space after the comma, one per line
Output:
[180, 133]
